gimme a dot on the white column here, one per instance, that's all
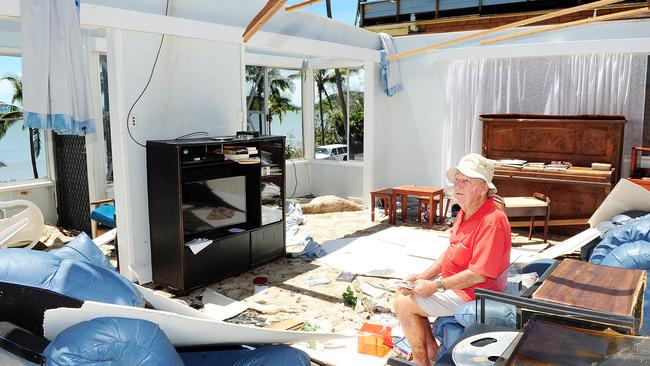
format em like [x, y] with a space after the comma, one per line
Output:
[368, 129]
[308, 114]
[121, 152]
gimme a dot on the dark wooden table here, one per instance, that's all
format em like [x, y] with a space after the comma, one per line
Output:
[418, 191]
[614, 291]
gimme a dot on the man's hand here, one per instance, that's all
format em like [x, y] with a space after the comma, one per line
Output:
[424, 288]
[412, 277]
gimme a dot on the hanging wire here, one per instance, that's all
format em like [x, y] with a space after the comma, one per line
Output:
[153, 68]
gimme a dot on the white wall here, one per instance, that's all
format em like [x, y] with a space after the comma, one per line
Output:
[43, 197]
[297, 179]
[196, 87]
[375, 132]
[415, 124]
[343, 179]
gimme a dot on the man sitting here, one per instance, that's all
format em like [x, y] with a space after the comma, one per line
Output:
[478, 256]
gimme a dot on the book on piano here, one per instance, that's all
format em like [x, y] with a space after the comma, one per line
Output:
[558, 165]
[512, 163]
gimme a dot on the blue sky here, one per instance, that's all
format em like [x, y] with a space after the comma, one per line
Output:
[342, 10]
[9, 65]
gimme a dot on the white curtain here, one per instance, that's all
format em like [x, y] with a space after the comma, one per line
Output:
[56, 86]
[577, 84]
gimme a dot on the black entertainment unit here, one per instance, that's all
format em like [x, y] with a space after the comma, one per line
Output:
[224, 191]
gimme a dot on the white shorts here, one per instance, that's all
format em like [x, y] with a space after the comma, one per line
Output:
[440, 304]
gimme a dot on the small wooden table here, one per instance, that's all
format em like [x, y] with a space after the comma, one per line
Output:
[419, 191]
[387, 195]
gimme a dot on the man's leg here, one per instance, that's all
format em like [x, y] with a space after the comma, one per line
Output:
[416, 327]
[432, 345]
[412, 312]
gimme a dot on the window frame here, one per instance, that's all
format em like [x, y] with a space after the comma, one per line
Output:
[255, 61]
[326, 66]
[50, 178]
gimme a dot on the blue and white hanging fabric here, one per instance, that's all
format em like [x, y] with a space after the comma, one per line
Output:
[56, 88]
[391, 77]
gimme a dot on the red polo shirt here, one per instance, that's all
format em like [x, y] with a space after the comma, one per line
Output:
[482, 245]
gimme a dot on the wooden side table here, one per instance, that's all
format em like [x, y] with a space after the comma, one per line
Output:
[536, 206]
[387, 195]
[432, 193]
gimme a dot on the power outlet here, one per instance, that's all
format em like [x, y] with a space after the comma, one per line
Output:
[132, 121]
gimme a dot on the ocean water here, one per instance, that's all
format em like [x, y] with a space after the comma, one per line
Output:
[291, 127]
[14, 152]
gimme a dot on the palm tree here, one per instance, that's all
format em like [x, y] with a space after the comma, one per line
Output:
[337, 73]
[15, 114]
[278, 104]
[322, 78]
[336, 109]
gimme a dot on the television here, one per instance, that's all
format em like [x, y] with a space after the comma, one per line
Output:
[213, 203]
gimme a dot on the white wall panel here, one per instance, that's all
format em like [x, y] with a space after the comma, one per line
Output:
[337, 178]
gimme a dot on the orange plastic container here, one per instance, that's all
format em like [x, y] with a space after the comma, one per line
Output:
[374, 339]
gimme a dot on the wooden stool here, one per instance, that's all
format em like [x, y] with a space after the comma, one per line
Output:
[387, 195]
[538, 205]
[423, 206]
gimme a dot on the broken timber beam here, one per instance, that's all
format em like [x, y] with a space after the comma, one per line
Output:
[271, 7]
[516, 24]
[301, 5]
[622, 14]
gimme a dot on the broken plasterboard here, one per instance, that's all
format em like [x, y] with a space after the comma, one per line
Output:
[624, 197]
[566, 247]
[160, 302]
[180, 329]
[341, 352]
[525, 251]
[372, 256]
[220, 306]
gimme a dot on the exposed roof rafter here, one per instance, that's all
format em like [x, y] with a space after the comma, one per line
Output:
[271, 7]
[301, 5]
[516, 24]
[619, 15]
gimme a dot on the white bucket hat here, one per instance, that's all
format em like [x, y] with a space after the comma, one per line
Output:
[474, 166]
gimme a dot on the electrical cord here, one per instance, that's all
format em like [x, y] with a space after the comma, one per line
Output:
[295, 177]
[153, 68]
[192, 134]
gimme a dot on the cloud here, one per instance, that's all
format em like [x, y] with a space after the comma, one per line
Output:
[6, 91]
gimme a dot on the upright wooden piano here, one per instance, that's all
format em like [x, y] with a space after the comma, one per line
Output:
[575, 193]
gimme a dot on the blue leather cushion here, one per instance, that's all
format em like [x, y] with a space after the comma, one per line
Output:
[112, 341]
[447, 331]
[637, 230]
[496, 313]
[276, 355]
[104, 214]
[74, 278]
[82, 248]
